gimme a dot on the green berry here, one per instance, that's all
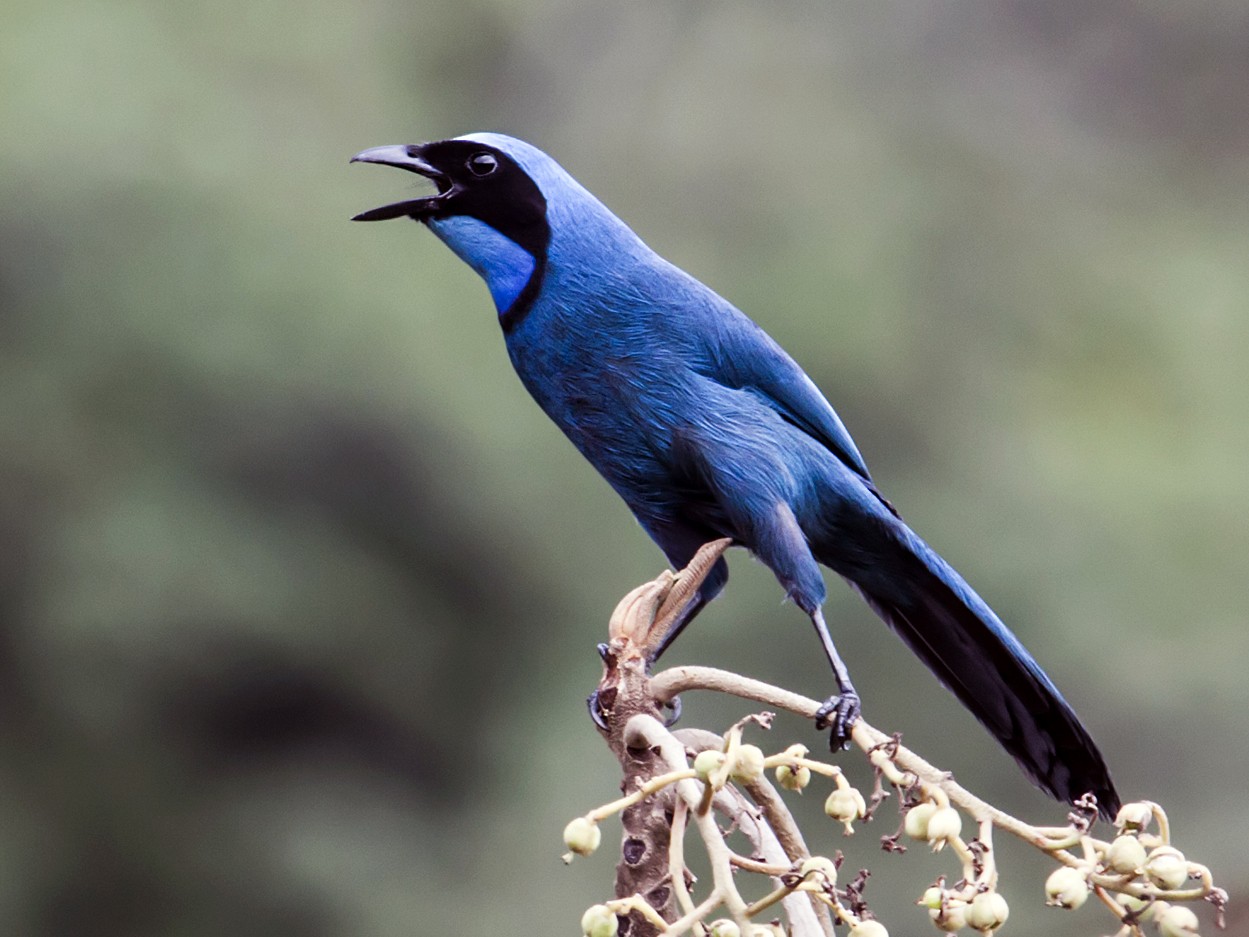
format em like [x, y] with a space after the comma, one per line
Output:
[869, 929]
[950, 918]
[1166, 867]
[599, 921]
[987, 912]
[1125, 855]
[917, 820]
[749, 763]
[793, 779]
[819, 865]
[845, 805]
[1177, 921]
[1133, 817]
[945, 823]
[706, 762]
[1140, 906]
[1066, 888]
[582, 836]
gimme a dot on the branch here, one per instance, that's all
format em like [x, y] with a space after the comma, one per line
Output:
[670, 779]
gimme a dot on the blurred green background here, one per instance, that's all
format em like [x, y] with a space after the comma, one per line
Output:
[299, 590]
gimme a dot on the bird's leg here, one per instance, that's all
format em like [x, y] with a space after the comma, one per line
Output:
[841, 711]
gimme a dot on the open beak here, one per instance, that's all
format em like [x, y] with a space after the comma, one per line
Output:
[409, 158]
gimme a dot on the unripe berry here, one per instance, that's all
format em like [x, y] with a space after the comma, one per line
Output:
[749, 763]
[582, 836]
[945, 823]
[599, 921]
[816, 866]
[845, 805]
[987, 912]
[1177, 921]
[706, 762]
[917, 820]
[931, 898]
[951, 918]
[869, 929]
[1125, 855]
[1143, 908]
[1133, 817]
[793, 779]
[1166, 867]
[724, 928]
[1066, 888]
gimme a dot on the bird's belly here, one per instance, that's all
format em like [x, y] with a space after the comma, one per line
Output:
[628, 437]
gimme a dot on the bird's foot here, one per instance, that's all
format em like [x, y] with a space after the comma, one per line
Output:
[838, 714]
[598, 711]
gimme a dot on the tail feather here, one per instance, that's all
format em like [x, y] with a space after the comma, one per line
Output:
[955, 633]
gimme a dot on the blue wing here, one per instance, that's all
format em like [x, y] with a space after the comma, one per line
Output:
[741, 355]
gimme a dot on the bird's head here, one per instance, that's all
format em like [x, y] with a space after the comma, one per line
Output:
[488, 206]
[507, 210]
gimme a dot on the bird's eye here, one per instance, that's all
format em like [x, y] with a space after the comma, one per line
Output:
[482, 164]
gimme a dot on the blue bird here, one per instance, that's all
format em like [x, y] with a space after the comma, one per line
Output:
[708, 429]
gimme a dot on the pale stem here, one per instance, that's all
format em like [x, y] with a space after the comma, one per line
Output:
[676, 859]
[677, 680]
[652, 734]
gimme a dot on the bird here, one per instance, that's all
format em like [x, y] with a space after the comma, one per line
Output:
[708, 429]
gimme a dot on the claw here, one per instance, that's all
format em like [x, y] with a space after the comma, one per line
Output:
[675, 705]
[839, 714]
[596, 713]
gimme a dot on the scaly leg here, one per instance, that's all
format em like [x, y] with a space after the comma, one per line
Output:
[840, 711]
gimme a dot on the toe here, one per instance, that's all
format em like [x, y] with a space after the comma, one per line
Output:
[596, 712]
[675, 705]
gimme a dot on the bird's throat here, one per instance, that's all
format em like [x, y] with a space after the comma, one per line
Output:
[506, 267]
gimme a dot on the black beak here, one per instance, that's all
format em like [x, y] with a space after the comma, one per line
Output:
[409, 158]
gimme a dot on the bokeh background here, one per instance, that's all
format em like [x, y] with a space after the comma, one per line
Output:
[299, 590]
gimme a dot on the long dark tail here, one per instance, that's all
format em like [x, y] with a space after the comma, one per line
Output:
[977, 657]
